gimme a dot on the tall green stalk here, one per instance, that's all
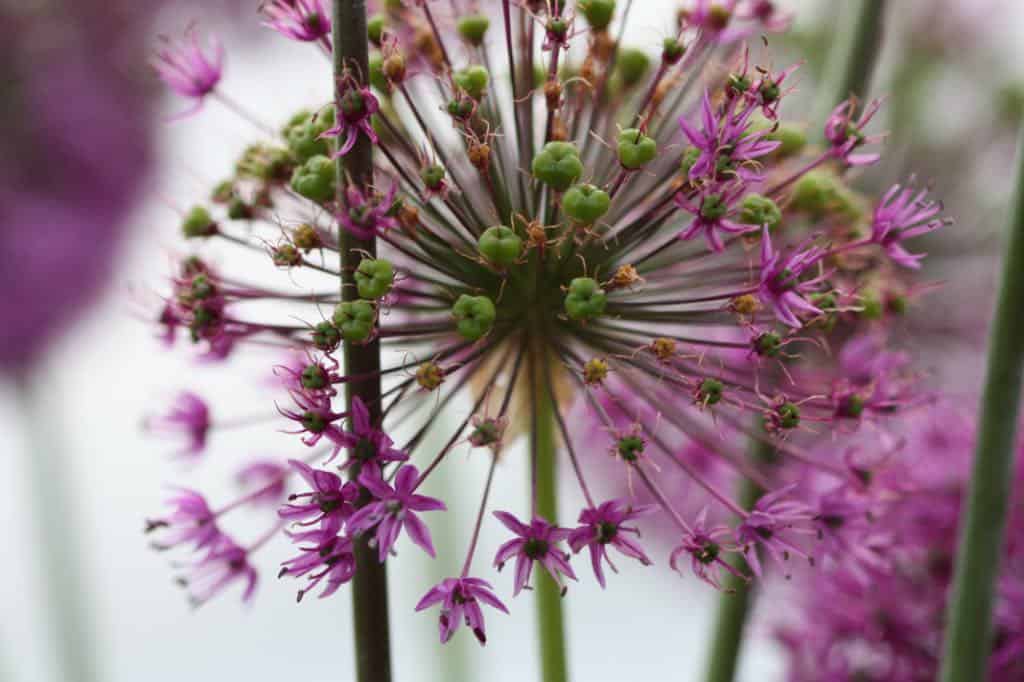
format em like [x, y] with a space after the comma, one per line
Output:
[550, 620]
[969, 614]
[852, 61]
[53, 492]
[370, 584]
[737, 595]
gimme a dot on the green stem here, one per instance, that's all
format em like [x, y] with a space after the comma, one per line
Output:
[852, 61]
[370, 584]
[969, 614]
[550, 621]
[737, 595]
[57, 526]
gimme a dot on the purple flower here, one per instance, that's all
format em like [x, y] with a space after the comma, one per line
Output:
[780, 280]
[303, 20]
[904, 214]
[727, 146]
[705, 545]
[329, 557]
[393, 510]
[771, 525]
[459, 599]
[358, 105]
[330, 502]
[368, 216]
[316, 418]
[603, 526]
[370, 447]
[224, 563]
[266, 478]
[186, 70]
[845, 135]
[711, 211]
[191, 522]
[189, 416]
[536, 542]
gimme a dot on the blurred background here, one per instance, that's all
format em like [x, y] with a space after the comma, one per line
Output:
[954, 75]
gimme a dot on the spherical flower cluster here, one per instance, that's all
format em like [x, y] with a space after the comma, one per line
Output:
[584, 227]
[878, 614]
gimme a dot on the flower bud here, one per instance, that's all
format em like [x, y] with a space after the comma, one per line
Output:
[354, 320]
[374, 278]
[553, 93]
[595, 371]
[286, 256]
[307, 238]
[557, 165]
[585, 203]
[663, 348]
[636, 149]
[394, 68]
[239, 210]
[585, 300]
[314, 378]
[474, 316]
[429, 376]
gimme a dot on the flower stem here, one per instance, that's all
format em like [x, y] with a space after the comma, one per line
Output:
[551, 625]
[737, 596]
[852, 61]
[370, 584]
[969, 614]
[60, 562]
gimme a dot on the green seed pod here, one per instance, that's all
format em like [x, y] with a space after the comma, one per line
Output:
[672, 51]
[474, 316]
[709, 391]
[500, 245]
[768, 344]
[374, 278]
[632, 66]
[787, 416]
[239, 210]
[314, 377]
[630, 448]
[377, 78]
[473, 81]
[473, 28]
[793, 140]
[585, 300]
[326, 336]
[375, 28]
[433, 176]
[223, 192]
[757, 209]
[354, 319]
[687, 161]
[558, 165]
[598, 13]
[303, 140]
[198, 223]
[636, 149]
[315, 179]
[585, 203]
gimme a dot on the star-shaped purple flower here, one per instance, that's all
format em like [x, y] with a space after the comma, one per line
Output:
[536, 542]
[604, 526]
[394, 509]
[459, 599]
